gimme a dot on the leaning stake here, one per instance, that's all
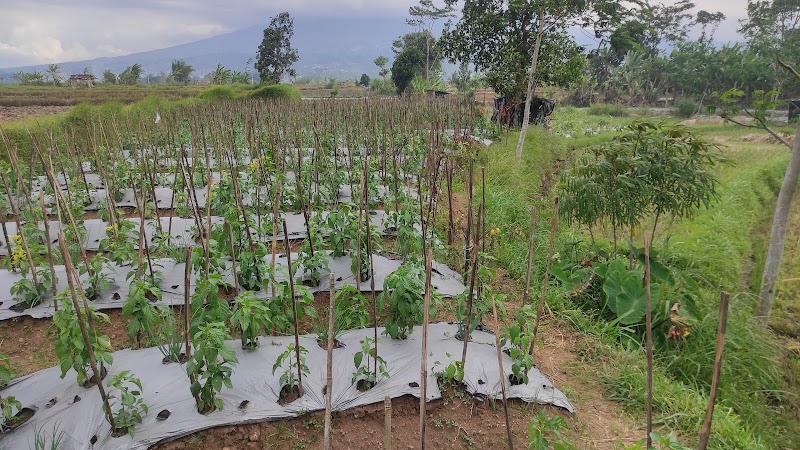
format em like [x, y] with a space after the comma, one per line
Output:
[502, 374]
[648, 330]
[423, 382]
[705, 430]
[329, 377]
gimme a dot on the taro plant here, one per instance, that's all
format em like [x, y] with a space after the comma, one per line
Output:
[131, 406]
[144, 317]
[291, 367]
[210, 366]
[370, 367]
[251, 316]
[70, 347]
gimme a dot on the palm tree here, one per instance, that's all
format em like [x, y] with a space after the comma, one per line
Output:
[52, 70]
[131, 74]
[181, 71]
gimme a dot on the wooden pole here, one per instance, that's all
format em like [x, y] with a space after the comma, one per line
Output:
[329, 379]
[705, 430]
[423, 382]
[531, 242]
[540, 308]
[387, 423]
[187, 306]
[294, 311]
[502, 373]
[648, 331]
[474, 276]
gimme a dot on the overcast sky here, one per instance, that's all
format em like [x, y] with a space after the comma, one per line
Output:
[49, 31]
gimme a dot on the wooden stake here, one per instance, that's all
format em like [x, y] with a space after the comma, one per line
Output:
[648, 331]
[531, 242]
[329, 378]
[423, 382]
[387, 423]
[540, 308]
[705, 430]
[502, 373]
[294, 311]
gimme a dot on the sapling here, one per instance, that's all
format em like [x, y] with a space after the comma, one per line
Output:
[517, 339]
[97, 280]
[366, 360]
[210, 366]
[312, 258]
[131, 406]
[119, 242]
[251, 316]
[287, 361]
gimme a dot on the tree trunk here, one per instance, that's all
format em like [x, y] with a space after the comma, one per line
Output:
[531, 86]
[780, 220]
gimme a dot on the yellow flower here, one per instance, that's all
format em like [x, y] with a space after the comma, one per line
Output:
[18, 255]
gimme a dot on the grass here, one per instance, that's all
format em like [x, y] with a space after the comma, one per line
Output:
[754, 405]
[26, 95]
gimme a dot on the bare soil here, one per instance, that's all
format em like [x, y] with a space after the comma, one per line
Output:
[22, 112]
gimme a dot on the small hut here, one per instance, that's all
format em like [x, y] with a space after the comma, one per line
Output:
[81, 79]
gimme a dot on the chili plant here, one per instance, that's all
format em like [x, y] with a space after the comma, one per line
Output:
[7, 404]
[119, 242]
[516, 338]
[144, 317]
[350, 312]
[210, 366]
[207, 305]
[288, 379]
[313, 263]
[70, 347]
[132, 407]
[97, 280]
[366, 360]
[251, 315]
[403, 293]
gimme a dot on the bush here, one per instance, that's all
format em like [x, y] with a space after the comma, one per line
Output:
[685, 108]
[608, 109]
[218, 94]
[276, 92]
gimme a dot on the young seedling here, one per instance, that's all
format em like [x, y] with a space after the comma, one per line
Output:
[251, 316]
[210, 366]
[131, 406]
[366, 361]
[290, 379]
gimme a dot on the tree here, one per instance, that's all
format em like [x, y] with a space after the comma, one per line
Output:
[181, 71]
[52, 70]
[423, 17]
[772, 28]
[240, 77]
[130, 75]
[430, 66]
[29, 78]
[220, 75]
[364, 81]
[381, 62]
[405, 67]
[275, 54]
[109, 77]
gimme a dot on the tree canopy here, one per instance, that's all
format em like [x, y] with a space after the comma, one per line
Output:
[275, 54]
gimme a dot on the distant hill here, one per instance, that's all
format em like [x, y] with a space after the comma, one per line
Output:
[328, 47]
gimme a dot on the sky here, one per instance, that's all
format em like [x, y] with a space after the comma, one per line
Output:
[50, 31]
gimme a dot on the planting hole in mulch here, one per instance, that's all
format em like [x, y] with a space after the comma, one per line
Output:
[514, 380]
[324, 344]
[364, 385]
[116, 296]
[92, 381]
[19, 307]
[244, 404]
[93, 440]
[288, 395]
[52, 402]
[413, 384]
[171, 359]
[174, 286]
[163, 414]
[119, 432]
[309, 283]
[22, 416]
[76, 399]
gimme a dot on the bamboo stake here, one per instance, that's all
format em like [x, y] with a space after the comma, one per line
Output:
[473, 277]
[329, 377]
[187, 304]
[294, 311]
[649, 340]
[502, 373]
[233, 255]
[49, 252]
[71, 276]
[468, 236]
[423, 382]
[531, 242]
[540, 308]
[705, 430]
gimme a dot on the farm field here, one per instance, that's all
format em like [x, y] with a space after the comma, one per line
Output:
[398, 200]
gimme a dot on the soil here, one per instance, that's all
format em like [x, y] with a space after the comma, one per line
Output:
[21, 112]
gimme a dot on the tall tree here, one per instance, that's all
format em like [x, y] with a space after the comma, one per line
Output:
[430, 66]
[130, 75]
[52, 70]
[220, 75]
[275, 54]
[109, 77]
[381, 62]
[181, 71]
[405, 67]
[423, 16]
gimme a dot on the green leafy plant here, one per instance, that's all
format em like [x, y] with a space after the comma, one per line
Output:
[370, 367]
[546, 434]
[251, 316]
[119, 242]
[403, 293]
[207, 306]
[97, 280]
[70, 347]
[282, 305]
[517, 339]
[131, 406]
[169, 337]
[313, 264]
[7, 404]
[453, 372]
[350, 312]
[210, 366]
[404, 224]
[143, 315]
[287, 361]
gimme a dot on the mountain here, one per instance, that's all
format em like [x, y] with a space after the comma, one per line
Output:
[336, 47]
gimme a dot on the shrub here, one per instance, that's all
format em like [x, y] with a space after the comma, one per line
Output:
[685, 108]
[276, 92]
[218, 94]
[608, 109]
